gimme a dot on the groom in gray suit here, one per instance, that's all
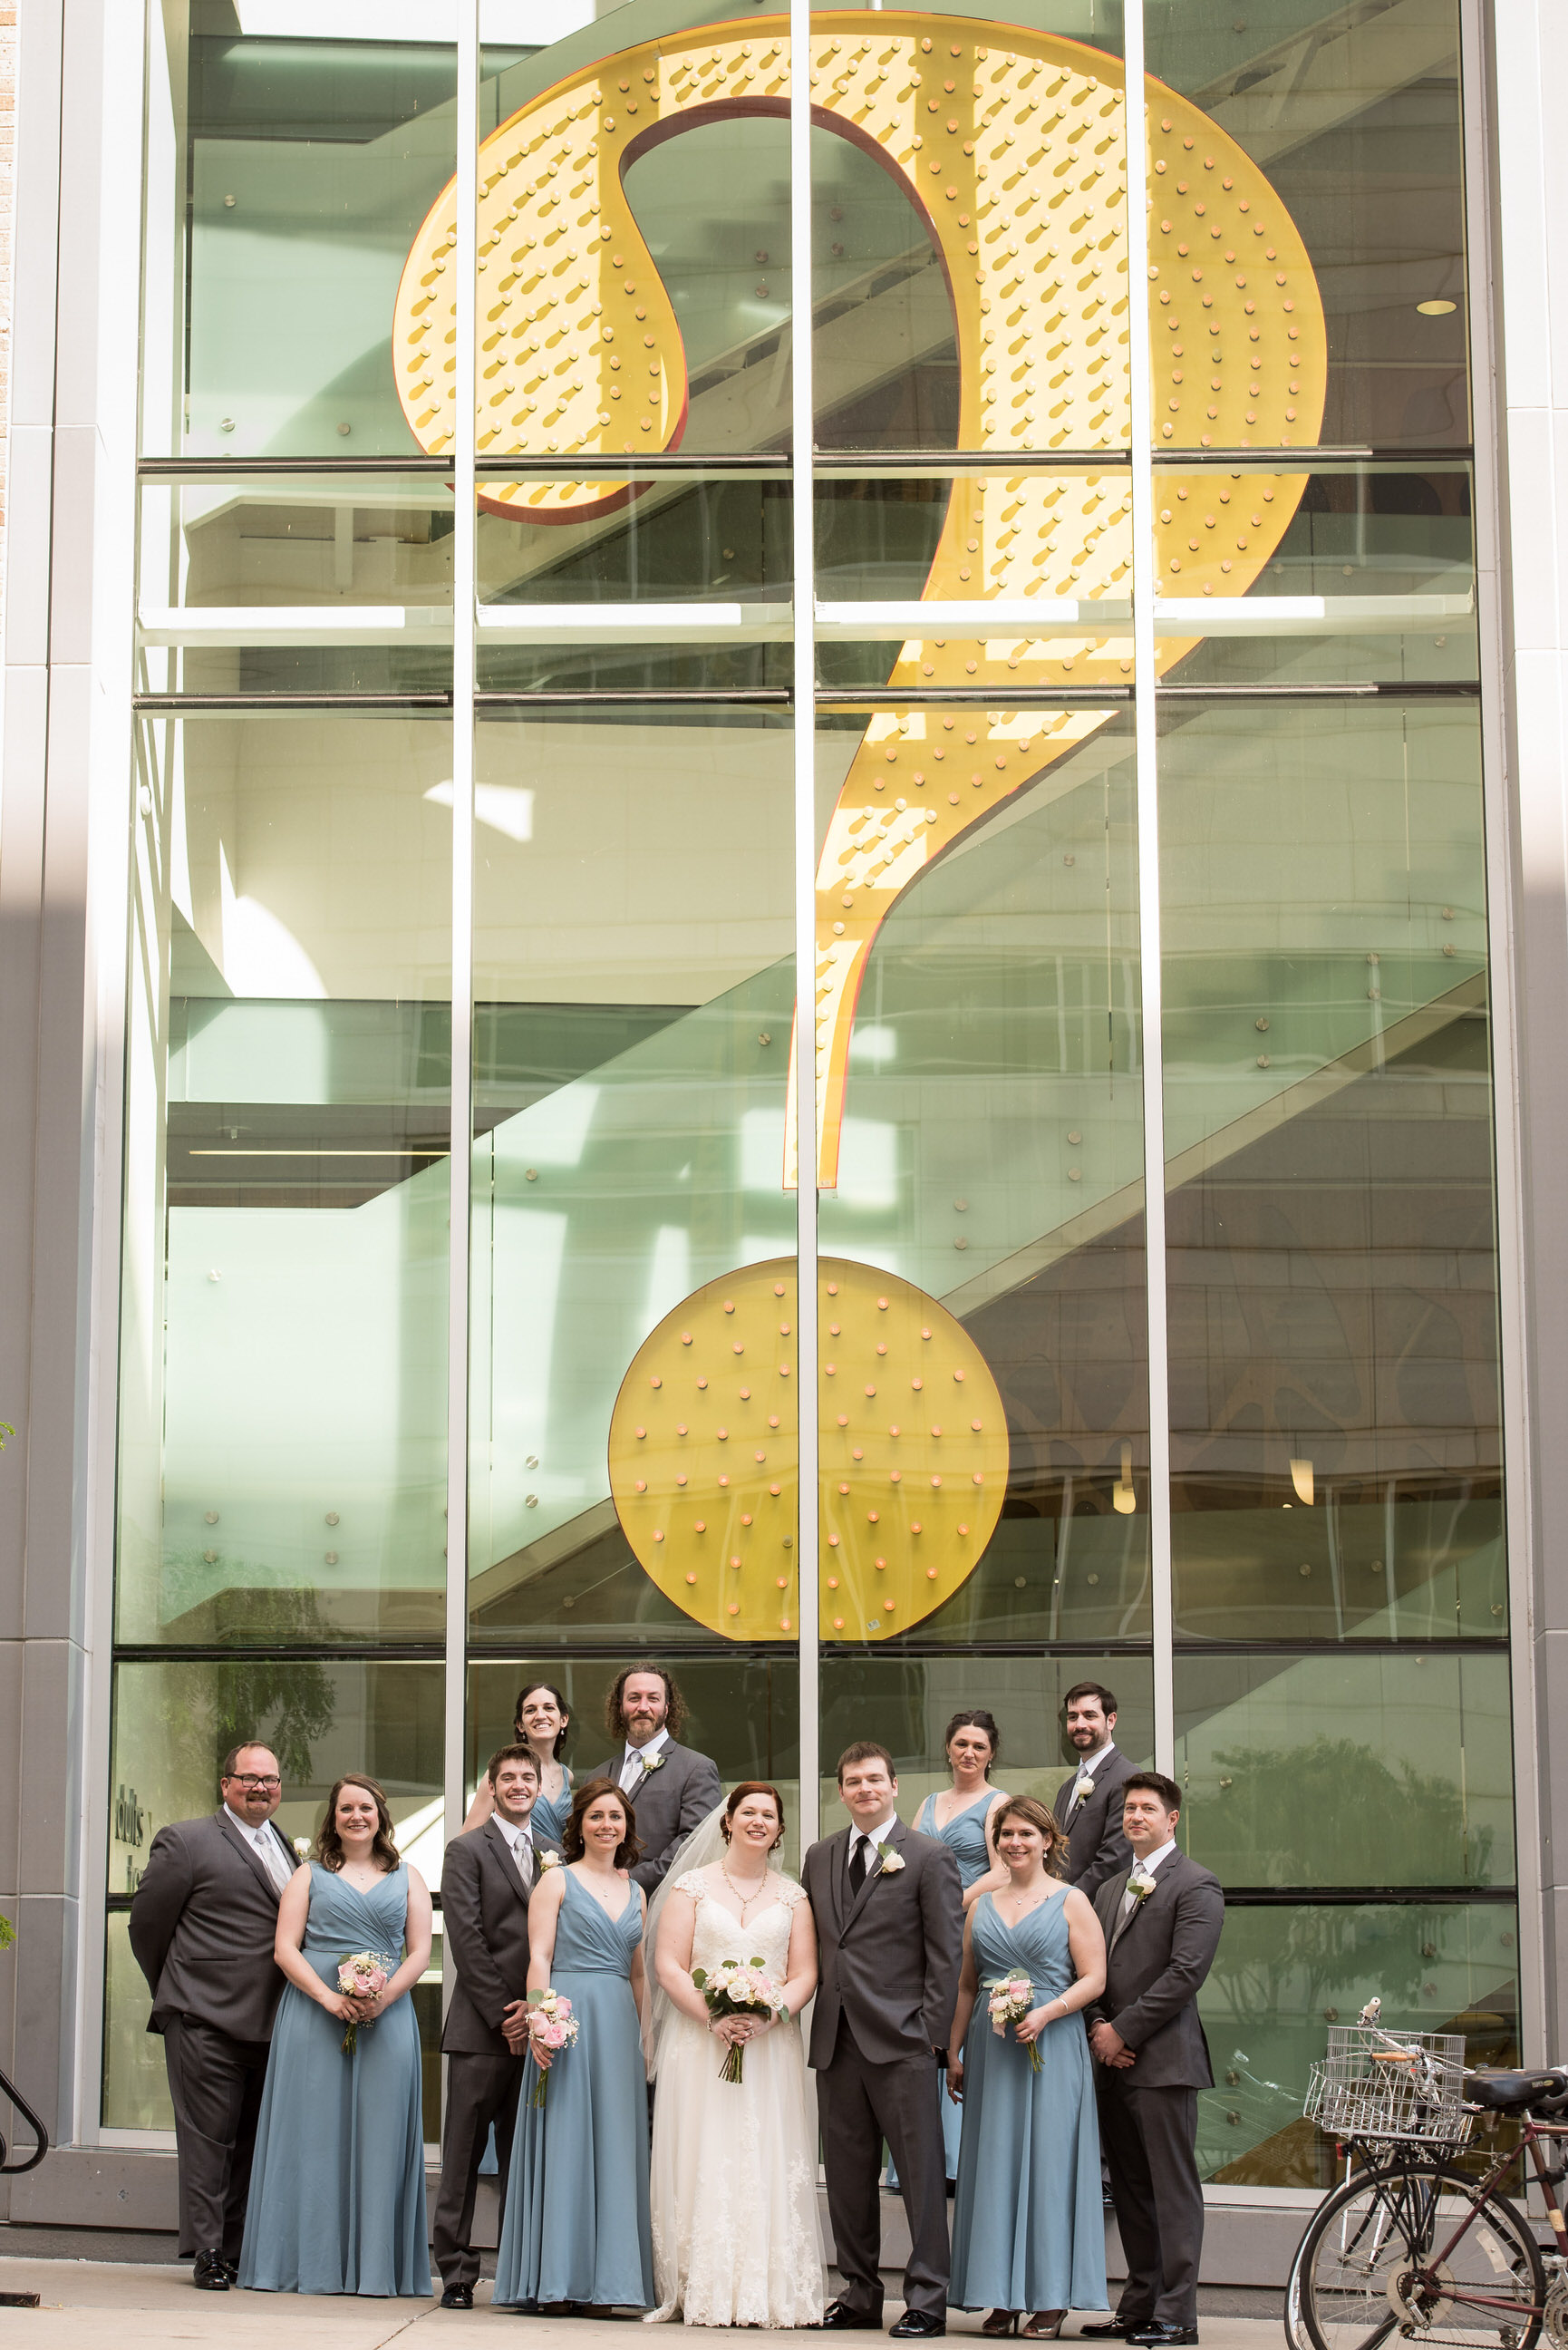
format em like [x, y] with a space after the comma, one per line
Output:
[1161, 1919]
[890, 1924]
[672, 1788]
[203, 1925]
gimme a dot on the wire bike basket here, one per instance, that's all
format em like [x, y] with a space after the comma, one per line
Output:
[1384, 2086]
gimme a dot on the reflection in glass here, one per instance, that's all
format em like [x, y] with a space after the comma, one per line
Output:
[304, 167]
[674, 537]
[1360, 136]
[635, 984]
[283, 1392]
[1336, 1439]
[1284, 1972]
[990, 1143]
[1372, 577]
[1335, 1769]
[906, 1705]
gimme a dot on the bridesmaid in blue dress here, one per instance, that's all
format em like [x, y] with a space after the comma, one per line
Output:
[540, 1722]
[576, 2234]
[963, 1819]
[1029, 2222]
[337, 2183]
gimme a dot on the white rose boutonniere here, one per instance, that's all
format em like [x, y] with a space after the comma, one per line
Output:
[1082, 1797]
[891, 1858]
[548, 1860]
[652, 1763]
[1140, 1888]
[302, 1847]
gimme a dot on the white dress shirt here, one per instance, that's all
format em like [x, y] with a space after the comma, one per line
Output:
[634, 1761]
[520, 1839]
[1087, 1766]
[1142, 1869]
[266, 1844]
[873, 1837]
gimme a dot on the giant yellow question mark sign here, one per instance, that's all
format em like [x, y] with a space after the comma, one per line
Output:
[1010, 145]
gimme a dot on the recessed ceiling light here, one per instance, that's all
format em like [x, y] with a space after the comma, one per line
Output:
[1436, 309]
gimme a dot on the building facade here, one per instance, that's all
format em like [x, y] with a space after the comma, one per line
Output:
[466, 660]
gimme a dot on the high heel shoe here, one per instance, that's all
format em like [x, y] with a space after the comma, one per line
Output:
[1002, 2320]
[1044, 2325]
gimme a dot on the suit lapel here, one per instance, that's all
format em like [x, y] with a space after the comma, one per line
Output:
[894, 1836]
[1164, 1876]
[505, 1855]
[249, 1855]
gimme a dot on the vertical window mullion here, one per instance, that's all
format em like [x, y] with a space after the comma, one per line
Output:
[802, 485]
[1148, 889]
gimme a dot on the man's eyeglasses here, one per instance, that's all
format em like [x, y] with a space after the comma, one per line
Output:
[255, 1787]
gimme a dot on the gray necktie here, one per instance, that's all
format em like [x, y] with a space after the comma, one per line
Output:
[522, 1853]
[273, 1860]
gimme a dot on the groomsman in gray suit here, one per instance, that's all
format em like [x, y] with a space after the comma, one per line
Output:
[672, 1788]
[888, 1911]
[203, 1925]
[1162, 1920]
[486, 1880]
[1089, 1805]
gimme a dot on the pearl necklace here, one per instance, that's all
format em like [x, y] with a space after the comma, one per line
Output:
[746, 1900]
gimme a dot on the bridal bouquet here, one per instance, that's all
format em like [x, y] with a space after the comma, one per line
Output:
[553, 2026]
[737, 1987]
[1012, 1997]
[364, 1974]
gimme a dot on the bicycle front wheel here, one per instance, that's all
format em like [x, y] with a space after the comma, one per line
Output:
[1408, 2253]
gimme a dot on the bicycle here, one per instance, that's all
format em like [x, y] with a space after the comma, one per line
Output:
[1408, 2246]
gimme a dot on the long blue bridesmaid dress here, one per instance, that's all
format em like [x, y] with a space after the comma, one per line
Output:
[551, 1814]
[964, 1837]
[1028, 2223]
[575, 2226]
[338, 2184]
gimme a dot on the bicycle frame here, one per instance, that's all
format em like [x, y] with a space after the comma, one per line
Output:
[1531, 2143]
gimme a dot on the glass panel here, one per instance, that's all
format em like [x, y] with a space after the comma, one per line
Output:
[172, 1725]
[296, 542]
[1320, 158]
[906, 1705]
[1285, 1972]
[1343, 573]
[743, 1710]
[283, 1406]
[1336, 1437]
[670, 537]
[1334, 1770]
[981, 1151]
[634, 1239]
[288, 178]
[970, 273]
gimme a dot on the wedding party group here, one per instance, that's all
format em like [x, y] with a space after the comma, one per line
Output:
[1001, 1995]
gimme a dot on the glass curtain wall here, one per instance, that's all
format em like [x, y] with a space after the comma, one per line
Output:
[1307, 1621]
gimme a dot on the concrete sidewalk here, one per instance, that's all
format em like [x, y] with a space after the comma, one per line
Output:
[85, 2304]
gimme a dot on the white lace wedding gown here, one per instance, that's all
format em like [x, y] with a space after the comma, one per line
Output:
[736, 2240]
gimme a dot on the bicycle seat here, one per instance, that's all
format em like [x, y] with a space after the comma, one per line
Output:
[1512, 2092]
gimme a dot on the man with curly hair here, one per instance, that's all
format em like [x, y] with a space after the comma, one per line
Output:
[672, 1788]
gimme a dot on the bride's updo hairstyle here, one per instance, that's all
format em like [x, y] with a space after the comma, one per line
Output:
[753, 1787]
[1036, 1815]
[629, 1852]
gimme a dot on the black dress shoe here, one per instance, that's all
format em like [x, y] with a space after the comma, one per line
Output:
[232, 2271]
[917, 2325]
[839, 2318]
[1115, 2328]
[210, 2274]
[1155, 2337]
[458, 2296]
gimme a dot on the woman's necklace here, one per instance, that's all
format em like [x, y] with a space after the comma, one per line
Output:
[1021, 1908]
[746, 1900]
[957, 1800]
[595, 1890]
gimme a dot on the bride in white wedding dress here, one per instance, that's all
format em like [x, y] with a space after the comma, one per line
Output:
[736, 2240]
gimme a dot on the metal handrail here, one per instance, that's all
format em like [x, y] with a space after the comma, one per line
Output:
[8, 2089]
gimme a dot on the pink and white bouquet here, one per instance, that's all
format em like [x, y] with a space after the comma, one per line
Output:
[364, 1974]
[737, 1987]
[1012, 1998]
[551, 2026]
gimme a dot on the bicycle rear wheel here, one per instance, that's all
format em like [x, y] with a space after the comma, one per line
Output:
[1379, 2264]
